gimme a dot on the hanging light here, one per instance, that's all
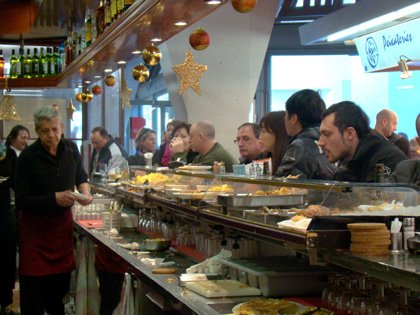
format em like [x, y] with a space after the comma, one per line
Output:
[402, 63]
[213, 2]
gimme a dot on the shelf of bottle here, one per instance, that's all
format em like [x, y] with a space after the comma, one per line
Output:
[133, 30]
[30, 83]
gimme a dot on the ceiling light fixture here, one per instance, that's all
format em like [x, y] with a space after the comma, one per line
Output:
[213, 2]
[402, 63]
[108, 70]
[87, 82]
[180, 23]
[136, 52]
[156, 40]
[97, 76]
[122, 62]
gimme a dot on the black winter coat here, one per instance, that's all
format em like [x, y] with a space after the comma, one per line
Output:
[305, 158]
[406, 172]
[371, 150]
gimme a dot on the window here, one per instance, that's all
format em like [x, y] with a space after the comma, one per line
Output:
[341, 77]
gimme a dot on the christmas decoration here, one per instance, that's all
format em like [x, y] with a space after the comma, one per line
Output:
[140, 73]
[96, 90]
[244, 6]
[190, 73]
[8, 110]
[70, 110]
[199, 39]
[151, 55]
[86, 95]
[110, 80]
[125, 92]
[79, 97]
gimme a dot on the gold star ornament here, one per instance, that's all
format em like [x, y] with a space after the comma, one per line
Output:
[190, 73]
[125, 92]
[70, 109]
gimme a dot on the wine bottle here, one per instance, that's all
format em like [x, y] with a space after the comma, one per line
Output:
[27, 65]
[120, 7]
[19, 67]
[56, 61]
[2, 61]
[113, 10]
[35, 64]
[13, 65]
[100, 18]
[88, 30]
[108, 13]
[43, 64]
[51, 62]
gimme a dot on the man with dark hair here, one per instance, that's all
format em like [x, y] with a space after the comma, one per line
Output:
[105, 150]
[249, 142]
[347, 139]
[303, 157]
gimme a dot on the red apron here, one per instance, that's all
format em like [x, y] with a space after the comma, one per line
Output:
[45, 243]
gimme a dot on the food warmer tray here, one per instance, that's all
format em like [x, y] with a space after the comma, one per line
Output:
[247, 200]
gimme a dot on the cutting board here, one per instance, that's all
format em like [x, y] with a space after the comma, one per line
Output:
[222, 288]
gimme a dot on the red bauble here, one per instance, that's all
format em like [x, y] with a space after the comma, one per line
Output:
[199, 39]
[97, 90]
[244, 6]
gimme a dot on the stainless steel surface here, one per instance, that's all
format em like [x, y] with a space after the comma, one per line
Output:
[259, 201]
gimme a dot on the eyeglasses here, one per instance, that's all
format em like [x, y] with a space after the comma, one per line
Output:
[244, 140]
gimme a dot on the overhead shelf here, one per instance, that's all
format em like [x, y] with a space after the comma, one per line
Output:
[143, 21]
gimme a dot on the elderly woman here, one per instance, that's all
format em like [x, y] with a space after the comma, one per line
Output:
[180, 146]
[145, 143]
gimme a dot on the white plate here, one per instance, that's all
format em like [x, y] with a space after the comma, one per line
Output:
[79, 196]
[195, 167]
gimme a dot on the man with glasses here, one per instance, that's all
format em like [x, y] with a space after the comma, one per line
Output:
[249, 143]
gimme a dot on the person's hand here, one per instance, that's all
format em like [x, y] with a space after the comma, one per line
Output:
[64, 198]
[85, 202]
[176, 145]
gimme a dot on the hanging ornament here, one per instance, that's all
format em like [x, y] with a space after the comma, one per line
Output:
[125, 92]
[199, 39]
[244, 6]
[8, 111]
[190, 73]
[110, 80]
[151, 55]
[96, 90]
[79, 97]
[70, 110]
[86, 96]
[140, 73]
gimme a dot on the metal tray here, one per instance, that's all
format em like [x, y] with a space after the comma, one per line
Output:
[259, 201]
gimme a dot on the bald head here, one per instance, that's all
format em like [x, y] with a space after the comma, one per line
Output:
[386, 123]
[202, 136]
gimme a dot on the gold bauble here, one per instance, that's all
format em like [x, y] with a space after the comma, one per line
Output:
[151, 55]
[244, 6]
[79, 97]
[110, 80]
[87, 96]
[140, 73]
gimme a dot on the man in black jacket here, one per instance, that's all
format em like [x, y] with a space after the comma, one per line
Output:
[347, 139]
[303, 157]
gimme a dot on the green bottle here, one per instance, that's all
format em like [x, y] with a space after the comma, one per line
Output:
[50, 60]
[35, 64]
[13, 65]
[56, 61]
[88, 34]
[43, 64]
[27, 65]
[19, 66]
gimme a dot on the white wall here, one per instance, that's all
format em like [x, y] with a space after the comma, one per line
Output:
[234, 59]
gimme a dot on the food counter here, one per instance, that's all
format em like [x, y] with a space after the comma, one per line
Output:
[270, 210]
